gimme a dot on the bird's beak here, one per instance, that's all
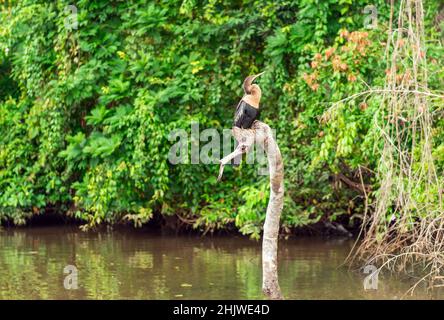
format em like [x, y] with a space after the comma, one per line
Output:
[258, 75]
[249, 81]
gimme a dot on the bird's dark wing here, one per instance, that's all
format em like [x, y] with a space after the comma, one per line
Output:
[245, 115]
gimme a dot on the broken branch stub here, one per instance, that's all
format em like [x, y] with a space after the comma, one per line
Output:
[261, 134]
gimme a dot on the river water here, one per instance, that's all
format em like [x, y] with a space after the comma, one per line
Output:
[146, 265]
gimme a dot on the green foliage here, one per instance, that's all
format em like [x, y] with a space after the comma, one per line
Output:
[85, 114]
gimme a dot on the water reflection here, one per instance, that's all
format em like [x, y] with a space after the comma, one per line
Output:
[140, 265]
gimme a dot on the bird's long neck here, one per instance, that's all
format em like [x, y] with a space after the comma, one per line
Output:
[254, 96]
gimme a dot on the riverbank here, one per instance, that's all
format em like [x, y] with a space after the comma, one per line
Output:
[177, 225]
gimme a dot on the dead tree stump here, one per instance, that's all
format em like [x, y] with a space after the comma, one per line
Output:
[261, 134]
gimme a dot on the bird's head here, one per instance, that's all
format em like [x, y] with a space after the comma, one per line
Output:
[252, 91]
[248, 83]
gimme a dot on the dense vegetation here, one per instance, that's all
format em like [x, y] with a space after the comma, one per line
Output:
[85, 113]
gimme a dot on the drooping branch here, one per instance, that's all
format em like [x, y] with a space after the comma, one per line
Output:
[245, 139]
[261, 134]
[360, 187]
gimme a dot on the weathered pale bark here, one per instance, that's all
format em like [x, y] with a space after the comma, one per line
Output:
[261, 134]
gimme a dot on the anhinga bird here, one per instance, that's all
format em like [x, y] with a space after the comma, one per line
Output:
[248, 108]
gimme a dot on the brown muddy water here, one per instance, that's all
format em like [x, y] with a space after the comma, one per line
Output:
[144, 265]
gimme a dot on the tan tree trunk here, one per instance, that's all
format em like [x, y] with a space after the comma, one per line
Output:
[261, 134]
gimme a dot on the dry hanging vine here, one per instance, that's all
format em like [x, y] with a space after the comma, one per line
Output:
[406, 228]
